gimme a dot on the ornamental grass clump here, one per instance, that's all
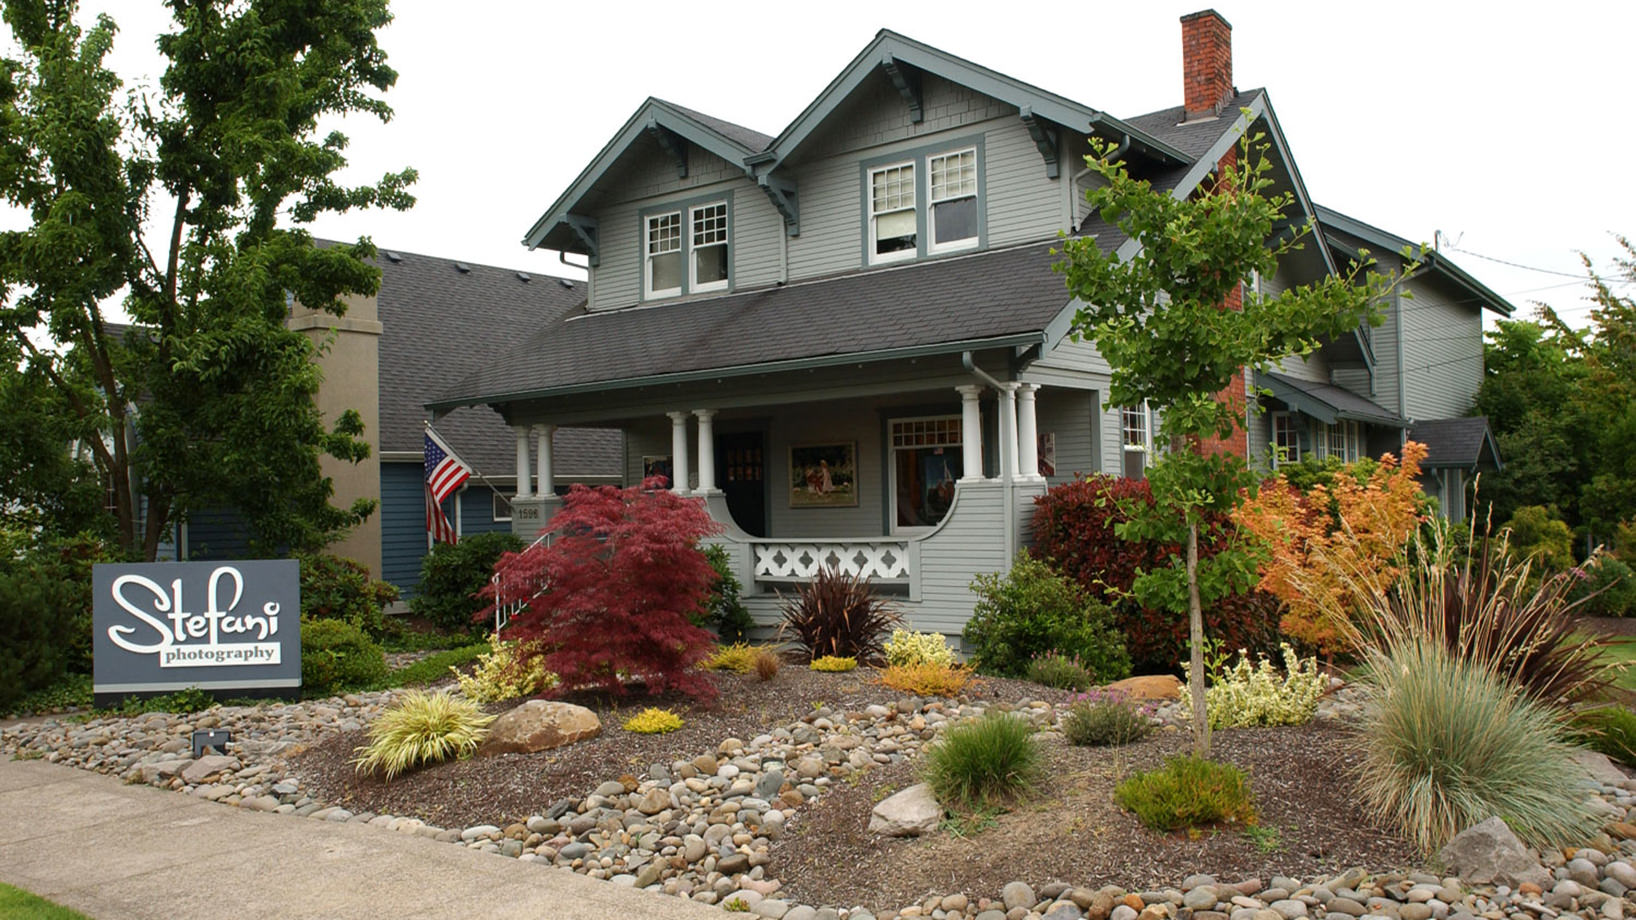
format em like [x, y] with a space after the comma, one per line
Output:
[1064, 672]
[984, 763]
[1247, 695]
[767, 664]
[1188, 792]
[1103, 718]
[838, 615]
[422, 728]
[508, 671]
[653, 721]
[1610, 730]
[834, 663]
[1447, 742]
[927, 679]
[907, 648]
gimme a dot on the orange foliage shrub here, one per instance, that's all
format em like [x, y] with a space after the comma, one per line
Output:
[1311, 555]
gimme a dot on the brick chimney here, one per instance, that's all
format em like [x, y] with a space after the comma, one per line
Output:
[1207, 63]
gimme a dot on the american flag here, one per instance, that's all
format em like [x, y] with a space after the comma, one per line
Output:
[444, 474]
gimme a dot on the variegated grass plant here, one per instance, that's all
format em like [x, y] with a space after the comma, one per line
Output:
[421, 728]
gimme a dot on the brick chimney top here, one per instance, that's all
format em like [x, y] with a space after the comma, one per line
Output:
[1207, 63]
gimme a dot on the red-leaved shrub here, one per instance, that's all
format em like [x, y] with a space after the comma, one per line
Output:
[623, 574]
[1074, 532]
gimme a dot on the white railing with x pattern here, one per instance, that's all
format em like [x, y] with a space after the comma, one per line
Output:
[876, 560]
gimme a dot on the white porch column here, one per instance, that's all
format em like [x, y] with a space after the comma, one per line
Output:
[1008, 432]
[547, 482]
[1028, 445]
[707, 450]
[678, 451]
[971, 432]
[522, 461]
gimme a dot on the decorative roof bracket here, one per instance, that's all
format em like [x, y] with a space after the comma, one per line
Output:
[1044, 138]
[585, 229]
[781, 192]
[674, 144]
[908, 86]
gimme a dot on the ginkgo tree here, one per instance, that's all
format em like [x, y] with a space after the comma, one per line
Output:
[1176, 326]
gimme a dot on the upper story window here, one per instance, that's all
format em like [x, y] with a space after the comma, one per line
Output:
[686, 250]
[925, 202]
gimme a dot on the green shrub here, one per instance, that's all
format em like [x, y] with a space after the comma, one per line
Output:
[838, 615]
[1257, 695]
[1064, 672]
[1447, 742]
[1608, 729]
[333, 588]
[452, 574]
[1537, 533]
[740, 658]
[653, 721]
[504, 674]
[1102, 718]
[421, 728]
[1603, 587]
[432, 668]
[724, 611]
[45, 614]
[1032, 610]
[337, 656]
[984, 762]
[834, 664]
[1188, 792]
[907, 648]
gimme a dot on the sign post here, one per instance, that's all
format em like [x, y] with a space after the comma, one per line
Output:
[232, 628]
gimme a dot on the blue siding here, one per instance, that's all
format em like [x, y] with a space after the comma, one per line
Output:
[477, 511]
[403, 525]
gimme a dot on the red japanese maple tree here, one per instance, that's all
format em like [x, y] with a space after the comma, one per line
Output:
[621, 574]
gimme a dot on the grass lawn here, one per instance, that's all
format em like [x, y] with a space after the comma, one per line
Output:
[17, 904]
[1623, 648]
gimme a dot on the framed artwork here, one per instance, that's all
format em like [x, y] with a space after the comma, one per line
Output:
[824, 475]
[656, 466]
[1048, 453]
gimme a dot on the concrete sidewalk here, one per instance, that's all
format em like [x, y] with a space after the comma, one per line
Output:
[118, 852]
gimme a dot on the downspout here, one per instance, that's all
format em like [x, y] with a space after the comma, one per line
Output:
[1008, 500]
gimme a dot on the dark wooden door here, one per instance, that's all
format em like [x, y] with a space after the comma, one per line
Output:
[741, 472]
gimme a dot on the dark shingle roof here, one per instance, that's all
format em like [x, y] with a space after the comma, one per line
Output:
[439, 324]
[1455, 442]
[1327, 402]
[1197, 136]
[1008, 292]
[748, 137]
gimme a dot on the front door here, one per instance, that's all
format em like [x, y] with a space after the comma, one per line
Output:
[741, 472]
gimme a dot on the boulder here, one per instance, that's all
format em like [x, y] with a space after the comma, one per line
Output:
[1489, 854]
[539, 725]
[206, 767]
[1149, 687]
[1599, 767]
[909, 813]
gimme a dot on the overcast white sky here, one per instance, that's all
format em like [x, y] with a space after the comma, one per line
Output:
[1502, 125]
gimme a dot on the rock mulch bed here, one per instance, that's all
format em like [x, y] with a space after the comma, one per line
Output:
[706, 827]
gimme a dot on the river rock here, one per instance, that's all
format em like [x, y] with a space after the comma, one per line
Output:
[539, 725]
[909, 813]
[208, 766]
[1490, 854]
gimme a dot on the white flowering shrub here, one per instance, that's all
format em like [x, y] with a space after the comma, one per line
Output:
[908, 648]
[1249, 694]
[500, 676]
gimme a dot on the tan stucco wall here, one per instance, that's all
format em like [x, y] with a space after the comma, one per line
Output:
[351, 381]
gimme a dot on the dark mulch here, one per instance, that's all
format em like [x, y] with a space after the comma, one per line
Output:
[1068, 830]
[1611, 626]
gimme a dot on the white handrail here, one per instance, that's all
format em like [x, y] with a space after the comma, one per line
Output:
[504, 610]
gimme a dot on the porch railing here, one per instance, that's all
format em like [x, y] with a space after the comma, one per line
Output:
[507, 607]
[798, 560]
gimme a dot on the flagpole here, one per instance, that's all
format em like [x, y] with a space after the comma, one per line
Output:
[474, 470]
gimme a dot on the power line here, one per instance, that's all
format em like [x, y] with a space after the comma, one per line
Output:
[1543, 271]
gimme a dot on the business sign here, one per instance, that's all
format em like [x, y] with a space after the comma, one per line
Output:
[165, 626]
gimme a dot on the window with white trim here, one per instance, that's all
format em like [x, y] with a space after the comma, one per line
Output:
[952, 214]
[893, 232]
[1136, 435]
[1286, 439]
[1343, 440]
[692, 260]
[927, 461]
[502, 507]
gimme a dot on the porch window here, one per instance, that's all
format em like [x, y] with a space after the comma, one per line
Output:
[1137, 437]
[892, 230]
[926, 463]
[502, 507]
[1286, 439]
[1344, 440]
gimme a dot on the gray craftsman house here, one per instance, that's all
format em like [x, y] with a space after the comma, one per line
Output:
[848, 341]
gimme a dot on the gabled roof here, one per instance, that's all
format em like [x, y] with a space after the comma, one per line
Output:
[439, 323]
[1326, 402]
[1001, 298]
[1330, 219]
[891, 48]
[1463, 443]
[733, 143]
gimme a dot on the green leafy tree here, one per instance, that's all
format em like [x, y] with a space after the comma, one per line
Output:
[1165, 322]
[204, 398]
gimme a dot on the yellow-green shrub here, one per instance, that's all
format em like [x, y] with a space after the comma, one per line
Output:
[740, 658]
[653, 721]
[422, 728]
[907, 647]
[501, 674]
[1248, 695]
[927, 679]
[834, 663]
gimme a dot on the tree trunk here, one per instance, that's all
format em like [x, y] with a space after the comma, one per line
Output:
[1195, 623]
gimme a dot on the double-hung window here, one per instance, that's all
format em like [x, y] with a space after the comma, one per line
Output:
[926, 202]
[1286, 439]
[1135, 434]
[686, 250]
[1344, 440]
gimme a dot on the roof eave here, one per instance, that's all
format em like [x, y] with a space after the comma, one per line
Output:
[1434, 259]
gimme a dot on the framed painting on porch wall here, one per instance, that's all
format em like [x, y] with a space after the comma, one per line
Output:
[824, 475]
